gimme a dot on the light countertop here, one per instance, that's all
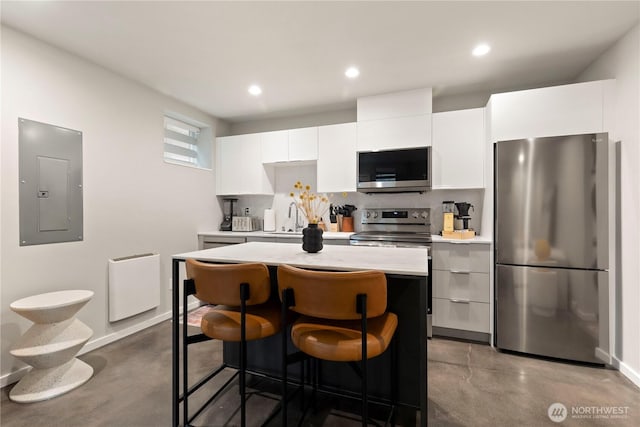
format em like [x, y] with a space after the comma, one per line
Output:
[326, 235]
[401, 261]
[478, 239]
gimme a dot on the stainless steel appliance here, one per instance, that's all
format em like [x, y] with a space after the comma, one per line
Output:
[394, 171]
[463, 214]
[227, 214]
[552, 246]
[398, 228]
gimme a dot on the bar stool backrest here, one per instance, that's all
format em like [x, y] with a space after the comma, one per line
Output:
[220, 283]
[332, 295]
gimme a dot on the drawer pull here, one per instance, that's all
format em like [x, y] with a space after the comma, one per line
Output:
[459, 301]
[461, 271]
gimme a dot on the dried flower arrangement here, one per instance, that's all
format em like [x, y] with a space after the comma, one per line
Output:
[313, 206]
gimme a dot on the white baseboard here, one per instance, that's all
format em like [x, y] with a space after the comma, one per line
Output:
[627, 371]
[15, 376]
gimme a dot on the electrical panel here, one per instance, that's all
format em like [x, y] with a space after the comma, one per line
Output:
[50, 183]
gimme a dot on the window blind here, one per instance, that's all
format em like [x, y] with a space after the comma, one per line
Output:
[180, 142]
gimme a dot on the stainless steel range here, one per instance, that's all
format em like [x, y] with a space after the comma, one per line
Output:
[399, 228]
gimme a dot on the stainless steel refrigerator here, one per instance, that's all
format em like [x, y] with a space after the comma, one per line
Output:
[551, 242]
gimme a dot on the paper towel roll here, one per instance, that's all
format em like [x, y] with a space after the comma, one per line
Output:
[269, 220]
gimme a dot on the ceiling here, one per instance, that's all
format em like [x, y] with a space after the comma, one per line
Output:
[207, 53]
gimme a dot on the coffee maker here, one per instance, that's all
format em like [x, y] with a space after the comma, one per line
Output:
[227, 214]
[463, 213]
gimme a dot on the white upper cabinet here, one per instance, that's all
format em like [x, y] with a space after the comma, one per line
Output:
[559, 110]
[303, 144]
[458, 149]
[292, 145]
[399, 132]
[239, 168]
[336, 167]
[395, 120]
[275, 146]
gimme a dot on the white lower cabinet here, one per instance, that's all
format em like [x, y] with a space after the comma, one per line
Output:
[461, 292]
[470, 316]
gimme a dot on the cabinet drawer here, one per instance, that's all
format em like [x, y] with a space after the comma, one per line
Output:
[472, 316]
[461, 257]
[261, 239]
[461, 286]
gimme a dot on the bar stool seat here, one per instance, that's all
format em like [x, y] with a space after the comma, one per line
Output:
[343, 318]
[223, 322]
[244, 312]
[341, 340]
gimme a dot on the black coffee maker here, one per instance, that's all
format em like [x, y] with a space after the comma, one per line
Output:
[463, 213]
[227, 214]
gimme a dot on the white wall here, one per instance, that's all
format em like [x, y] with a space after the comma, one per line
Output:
[622, 62]
[286, 176]
[133, 201]
[294, 122]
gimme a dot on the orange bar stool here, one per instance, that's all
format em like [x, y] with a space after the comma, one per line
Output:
[243, 312]
[343, 319]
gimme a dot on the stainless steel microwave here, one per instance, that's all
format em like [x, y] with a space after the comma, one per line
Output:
[394, 171]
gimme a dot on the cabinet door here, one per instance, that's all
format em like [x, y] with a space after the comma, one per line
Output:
[461, 286]
[228, 154]
[461, 257]
[399, 132]
[458, 149]
[466, 316]
[336, 166]
[303, 144]
[552, 111]
[275, 146]
[239, 166]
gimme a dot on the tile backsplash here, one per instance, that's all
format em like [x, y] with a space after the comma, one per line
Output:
[286, 177]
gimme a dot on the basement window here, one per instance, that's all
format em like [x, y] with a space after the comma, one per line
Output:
[187, 144]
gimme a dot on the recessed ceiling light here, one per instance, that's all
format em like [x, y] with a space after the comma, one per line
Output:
[481, 49]
[352, 72]
[255, 90]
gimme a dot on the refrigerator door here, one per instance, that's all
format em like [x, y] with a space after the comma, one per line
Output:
[551, 202]
[553, 312]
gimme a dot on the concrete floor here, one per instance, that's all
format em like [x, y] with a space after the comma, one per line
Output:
[469, 385]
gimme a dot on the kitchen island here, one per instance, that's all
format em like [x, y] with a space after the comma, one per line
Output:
[406, 270]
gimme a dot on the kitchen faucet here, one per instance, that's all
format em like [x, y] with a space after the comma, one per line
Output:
[297, 227]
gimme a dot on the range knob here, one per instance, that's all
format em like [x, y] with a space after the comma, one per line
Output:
[424, 214]
[368, 214]
[375, 214]
[415, 214]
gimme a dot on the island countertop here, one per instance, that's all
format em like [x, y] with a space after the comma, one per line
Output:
[401, 261]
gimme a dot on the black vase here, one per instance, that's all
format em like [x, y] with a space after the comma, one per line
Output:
[312, 238]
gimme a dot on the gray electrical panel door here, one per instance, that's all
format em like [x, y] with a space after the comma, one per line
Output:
[50, 183]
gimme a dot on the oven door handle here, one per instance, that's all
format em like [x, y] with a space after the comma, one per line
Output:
[370, 244]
